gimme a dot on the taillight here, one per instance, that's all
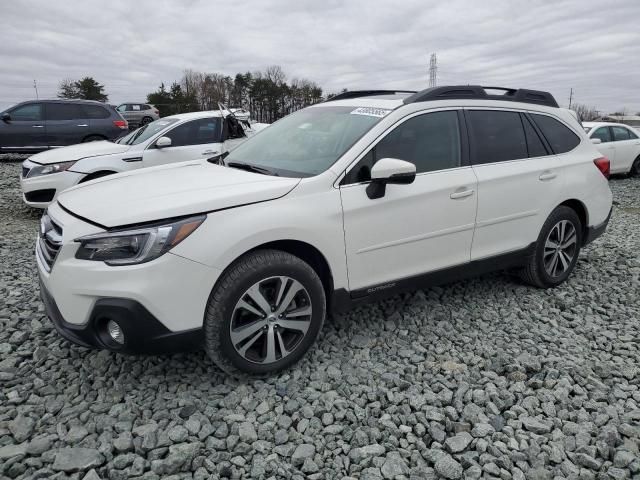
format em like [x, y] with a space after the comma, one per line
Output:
[121, 124]
[604, 165]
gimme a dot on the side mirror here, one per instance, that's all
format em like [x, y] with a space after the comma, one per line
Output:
[389, 170]
[6, 117]
[163, 142]
[596, 141]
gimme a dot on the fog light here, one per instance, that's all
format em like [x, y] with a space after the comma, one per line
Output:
[115, 332]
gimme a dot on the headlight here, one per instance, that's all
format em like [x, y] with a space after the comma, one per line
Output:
[48, 169]
[129, 247]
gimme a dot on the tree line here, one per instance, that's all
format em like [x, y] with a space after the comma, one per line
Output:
[267, 95]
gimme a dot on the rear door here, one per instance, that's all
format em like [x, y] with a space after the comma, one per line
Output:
[417, 228]
[627, 147]
[26, 129]
[65, 123]
[519, 178]
[192, 140]
[606, 146]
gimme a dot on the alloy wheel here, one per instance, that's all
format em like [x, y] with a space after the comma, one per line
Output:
[270, 319]
[560, 248]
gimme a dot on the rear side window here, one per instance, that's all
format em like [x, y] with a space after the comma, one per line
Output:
[621, 133]
[496, 136]
[535, 147]
[63, 111]
[95, 111]
[603, 133]
[146, 107]
[559, 136]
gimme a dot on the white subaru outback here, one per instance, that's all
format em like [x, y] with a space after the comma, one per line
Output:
[340, 203]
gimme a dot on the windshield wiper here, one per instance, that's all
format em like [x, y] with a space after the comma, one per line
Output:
[251, 168]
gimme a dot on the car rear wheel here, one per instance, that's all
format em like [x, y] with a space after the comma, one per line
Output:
[93, 138]
[146, 120]
[556, 251]
[264, 314]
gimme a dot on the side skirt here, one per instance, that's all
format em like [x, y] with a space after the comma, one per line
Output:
[343, 300]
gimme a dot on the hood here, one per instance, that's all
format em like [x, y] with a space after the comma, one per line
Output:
[168, 191]
[76, 152]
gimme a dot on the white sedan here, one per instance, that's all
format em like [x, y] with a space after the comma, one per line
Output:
[619, 143]
[188, 136]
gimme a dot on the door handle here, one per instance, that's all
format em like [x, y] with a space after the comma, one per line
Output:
[37, 126]
[82, 125]
[547, 176]
[461, 194]
[209, 152]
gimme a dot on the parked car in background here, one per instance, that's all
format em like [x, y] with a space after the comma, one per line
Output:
[340, 203]
[619, 143]
[171, 139]
[38, 125]
[138, 114]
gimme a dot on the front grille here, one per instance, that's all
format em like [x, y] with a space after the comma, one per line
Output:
[25, 171]
[49, 241]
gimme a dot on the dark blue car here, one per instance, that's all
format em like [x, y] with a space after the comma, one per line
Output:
[42, 124]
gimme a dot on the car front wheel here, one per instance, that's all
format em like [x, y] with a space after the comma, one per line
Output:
[556, 251]
[264, 314]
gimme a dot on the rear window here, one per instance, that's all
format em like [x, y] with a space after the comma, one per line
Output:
[559, 136]
[497, 136]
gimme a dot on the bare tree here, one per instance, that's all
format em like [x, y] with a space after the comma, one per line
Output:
[586, 113]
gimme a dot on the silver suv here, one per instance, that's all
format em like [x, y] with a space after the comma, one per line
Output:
[138, 114]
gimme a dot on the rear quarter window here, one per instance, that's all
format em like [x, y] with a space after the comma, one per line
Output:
[559, 136]
[95, 111]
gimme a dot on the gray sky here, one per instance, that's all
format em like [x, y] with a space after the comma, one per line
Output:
[132, 46]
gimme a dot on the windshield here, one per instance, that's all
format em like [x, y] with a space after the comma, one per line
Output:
[307, 142]
[146, 132]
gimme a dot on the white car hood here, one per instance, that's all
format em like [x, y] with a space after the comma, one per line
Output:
[167, 191]
[76, 152]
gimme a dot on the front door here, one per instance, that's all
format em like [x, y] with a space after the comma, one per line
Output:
[627, 146]
[25, 130]
[606, 146]
[192, 140]
[417, 228]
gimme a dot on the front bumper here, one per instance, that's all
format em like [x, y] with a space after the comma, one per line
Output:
[143, 333]
[39, 192]
[159, 305]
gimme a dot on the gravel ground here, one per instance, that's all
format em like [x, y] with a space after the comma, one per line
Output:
[483, 378]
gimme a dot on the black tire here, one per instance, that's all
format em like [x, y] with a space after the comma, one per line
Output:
[535, 271]
[635, 168]
[145, 120]
[93, 176]
[255, 267]
[93, 138]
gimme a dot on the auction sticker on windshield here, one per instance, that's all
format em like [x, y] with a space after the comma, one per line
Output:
[371, 112]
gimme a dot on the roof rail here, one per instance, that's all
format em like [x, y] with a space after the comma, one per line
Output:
[477, 92]
[365, 93]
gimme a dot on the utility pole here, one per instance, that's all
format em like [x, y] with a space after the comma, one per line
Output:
[570, 97]
[433, 70]
[35, 85]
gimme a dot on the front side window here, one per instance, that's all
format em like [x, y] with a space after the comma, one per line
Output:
[496, 136]
[559, 136]
[63, 111]
[195, 132]
[430, 141]
[620, 134]
[31, 112]
[603, 133]
[308, 142]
